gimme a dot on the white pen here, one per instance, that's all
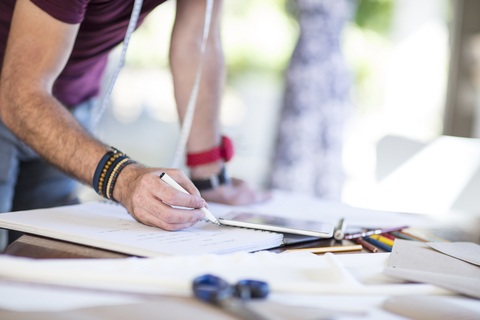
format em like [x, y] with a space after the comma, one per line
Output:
[172, 183]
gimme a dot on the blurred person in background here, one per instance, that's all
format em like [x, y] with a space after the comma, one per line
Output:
[316, 103]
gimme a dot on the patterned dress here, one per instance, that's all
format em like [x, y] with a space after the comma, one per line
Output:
[308, 156]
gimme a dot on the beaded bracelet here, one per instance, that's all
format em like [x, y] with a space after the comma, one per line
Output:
[113, 177]
[105, 171]
[105, 168]
[109, 173]
[99, 169]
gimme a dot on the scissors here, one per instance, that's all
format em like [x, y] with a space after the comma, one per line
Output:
[231, 298]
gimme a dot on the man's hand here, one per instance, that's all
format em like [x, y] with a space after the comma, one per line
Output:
[237, 193]
[149, 199]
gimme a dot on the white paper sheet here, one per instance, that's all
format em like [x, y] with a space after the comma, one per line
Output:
[19, 296]
[292, 272]
[109, 226]
[347, 282]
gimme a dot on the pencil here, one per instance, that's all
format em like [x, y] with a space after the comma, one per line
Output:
[388, 235]
[382, 239]
[423, 236]
[378, 244]
[367, 245]
[414, 237]
[369, 233]
[330, 249]
[404, 236]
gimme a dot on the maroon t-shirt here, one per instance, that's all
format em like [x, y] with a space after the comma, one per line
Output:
[103, 24]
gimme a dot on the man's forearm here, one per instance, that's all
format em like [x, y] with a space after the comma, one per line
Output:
[37, 50]
[52, 131]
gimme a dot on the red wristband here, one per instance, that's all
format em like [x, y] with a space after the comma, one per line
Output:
[223, 151]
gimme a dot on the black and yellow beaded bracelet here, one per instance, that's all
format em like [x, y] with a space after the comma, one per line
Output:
[107, 171]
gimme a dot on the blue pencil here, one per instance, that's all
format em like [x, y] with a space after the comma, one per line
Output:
[379, 244]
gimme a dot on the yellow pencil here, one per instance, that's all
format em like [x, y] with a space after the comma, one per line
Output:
[382, 239]
[330, 249]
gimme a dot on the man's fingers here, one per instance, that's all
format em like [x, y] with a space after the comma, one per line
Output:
[172, 196]
[166, 214]
[152, 199]
[177, 216]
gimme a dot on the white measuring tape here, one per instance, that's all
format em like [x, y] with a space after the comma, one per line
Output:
[187, 122]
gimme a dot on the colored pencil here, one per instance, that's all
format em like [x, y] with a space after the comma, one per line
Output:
[423, 236]
[367, 245]
[414, 237]
[382, 239]
[388, 235]
[369, 233]
[378, 244]
[403, 236]
[330, 249]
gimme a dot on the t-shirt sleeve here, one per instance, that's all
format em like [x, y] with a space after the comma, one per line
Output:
[68, 11]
